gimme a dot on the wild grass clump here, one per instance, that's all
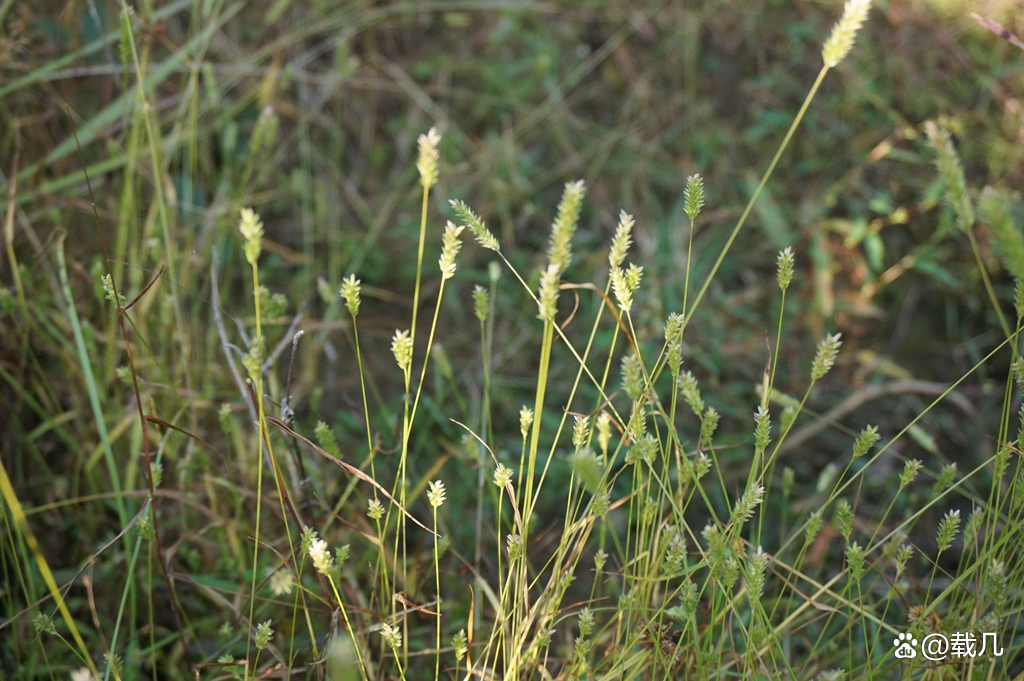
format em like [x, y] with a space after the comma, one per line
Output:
[620, 528]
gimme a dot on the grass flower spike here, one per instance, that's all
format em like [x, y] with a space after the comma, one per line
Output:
[844, 32]
[951, 171]
[476, 226]
[252, 231]
[426, 163]
[401, 348]
[350, 288]
[693, 196]
[785, 263]
[826, 355]
[322, 559]
[436, 493]
[449, 249]
[263, 635]
[502, 475]
[622, 240]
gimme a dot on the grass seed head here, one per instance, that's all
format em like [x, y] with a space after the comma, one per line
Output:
[865, 441]
[450, 246]
[251, 228]
[951, 172]
[479, 230]
[426, 163]
[622, 240]
[840, 41]
[392, 635]
[825, 357]
[564, 226]
[784, 268]
[322, 559]
[436, 493]
[693, 196]
[948, 527]
[375, 510]
[401, 348]
[263, 634]
[525, 420]
[350, 289]
[502, 476]
[481, 304]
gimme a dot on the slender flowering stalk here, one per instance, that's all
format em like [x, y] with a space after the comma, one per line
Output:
[436, 497]
[323, 561]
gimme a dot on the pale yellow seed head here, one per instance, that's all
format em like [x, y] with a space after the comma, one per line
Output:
[252, 231]
[428, 157]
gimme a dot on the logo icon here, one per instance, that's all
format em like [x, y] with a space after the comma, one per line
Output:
[905, 644]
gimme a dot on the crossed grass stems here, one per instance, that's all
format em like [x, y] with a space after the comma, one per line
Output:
[654, 553]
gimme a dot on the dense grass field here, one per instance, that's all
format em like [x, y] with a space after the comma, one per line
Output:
[511, 340]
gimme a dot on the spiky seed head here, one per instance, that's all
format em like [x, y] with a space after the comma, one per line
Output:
[547, 294]
[341, 554]
[392, 635]
[825, 357]
[708, 424]
[855, 561]
[435, 495]
[948, 527]
[580, 430]
[690, 392]
[450, 246]
[903, 554]
[325, 436]
[564, 226]
[460, 645]
[502, 475]
[701, 465]
[757, 565]
[625, 283]
[601, 503]
[525, 420]
[350, 288]
[813, 527]
[632, 377]
[514, 542]
[865, 441]
[910, 470]
[994, 211]
[481, 303]
[745, 506]
[600, 559]
[263, 634]
[307, 538]
[321, 557]
[604, 431]
[945, 479]
[784, 268]
[840, 41]
[586, 620]
[951, 172]
[693, 196]
[426, 163]
[282, 581]
[252, 231]
[622, 240]
[375, 509]
[674, 327]
[476, 227]
[762, 429]
[401, 348]
[844, 518]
